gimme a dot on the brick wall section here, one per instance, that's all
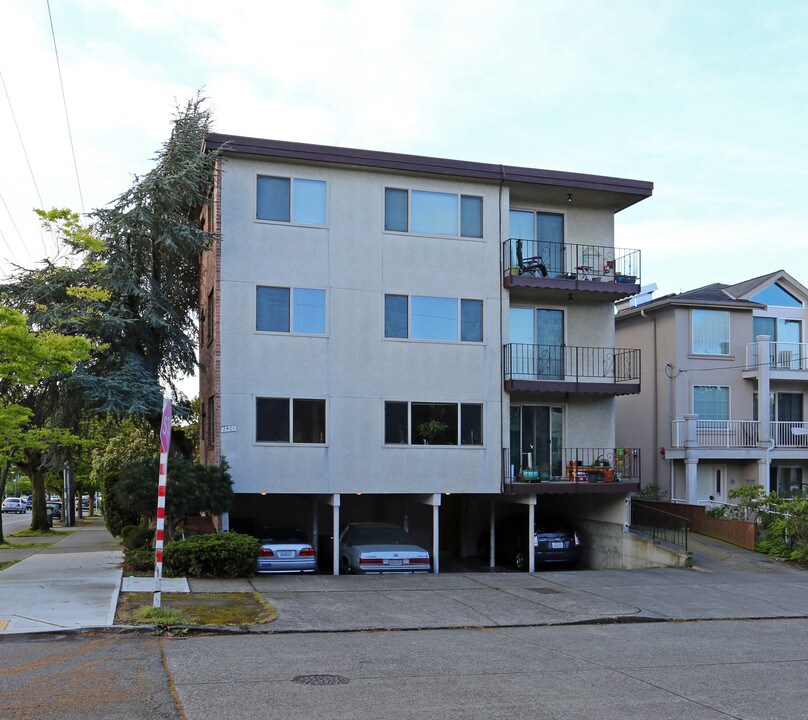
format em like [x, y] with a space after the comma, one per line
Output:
[210, 347]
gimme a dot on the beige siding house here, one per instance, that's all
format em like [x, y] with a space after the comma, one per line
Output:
[709, 356]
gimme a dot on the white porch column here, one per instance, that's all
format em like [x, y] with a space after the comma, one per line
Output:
[334, 502]
[691, 484]
[315, 531]
[436, 538]
[764, 356]
[531, 529]
[224, 522]
[763, 473]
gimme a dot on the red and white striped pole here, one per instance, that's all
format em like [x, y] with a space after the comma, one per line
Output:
[165, 442]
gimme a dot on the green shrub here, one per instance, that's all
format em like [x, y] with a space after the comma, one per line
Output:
[138, 560]
[716, 512]
[226, 555]
[136, 536]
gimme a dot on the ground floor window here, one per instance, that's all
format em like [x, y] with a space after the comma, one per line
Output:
[786, 481]
[290, 420]
[421, 423]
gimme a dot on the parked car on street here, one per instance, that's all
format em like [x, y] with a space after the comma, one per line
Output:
[380, 548]
[15, 505]
[29, 501]
[554, 541]
[285, 549]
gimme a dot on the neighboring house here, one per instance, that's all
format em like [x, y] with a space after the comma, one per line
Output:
[401, 338]
[709, 355]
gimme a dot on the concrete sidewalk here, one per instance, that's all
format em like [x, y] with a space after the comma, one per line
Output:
[72, 584]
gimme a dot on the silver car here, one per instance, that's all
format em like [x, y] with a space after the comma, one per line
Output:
[380, 548]
[15, 505]
[285, 549]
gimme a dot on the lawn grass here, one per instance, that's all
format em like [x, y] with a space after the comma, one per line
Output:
[16, 545]
[7, 564]
[224, 608]
[41, 533]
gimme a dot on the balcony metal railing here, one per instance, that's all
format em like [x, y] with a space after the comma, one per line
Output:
[658, 524]
[571, 363]
[740, 434]
[571, 261]
[782, 356]
[572, 465]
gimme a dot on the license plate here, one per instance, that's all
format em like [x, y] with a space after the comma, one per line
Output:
[286, 553]
[557, 545]
[394, 561]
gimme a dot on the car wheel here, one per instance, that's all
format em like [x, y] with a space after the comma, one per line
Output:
[520, 560]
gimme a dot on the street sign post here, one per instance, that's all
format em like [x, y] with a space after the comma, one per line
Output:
[165, 443]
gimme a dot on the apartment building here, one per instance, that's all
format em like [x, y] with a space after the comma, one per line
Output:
[415, 340]
[709, 355]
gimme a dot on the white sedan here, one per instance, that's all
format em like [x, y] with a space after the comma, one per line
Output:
[15, 505]
[380, 548]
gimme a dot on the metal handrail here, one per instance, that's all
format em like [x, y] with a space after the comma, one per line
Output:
[571, 363]
[658, 524]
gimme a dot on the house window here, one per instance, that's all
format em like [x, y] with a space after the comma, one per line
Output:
[776, 295]
[210, 318]
[433, 213]
[274, 417]
[710, 332]
[786, 481]
[210, 425]
[282, 309]
[421, 317]
[292, 200]
[711, 402]
[540, 226]
[418, 423]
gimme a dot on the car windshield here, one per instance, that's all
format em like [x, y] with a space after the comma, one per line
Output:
[380, 535]
[283, 535]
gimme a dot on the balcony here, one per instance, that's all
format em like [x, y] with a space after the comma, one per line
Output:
[786, 361]
[741, 434]
[571, 267]
[572, 471]
[567, 368]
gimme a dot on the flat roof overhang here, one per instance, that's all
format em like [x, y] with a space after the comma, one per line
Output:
[621, 192]
[571, 488]
[572, 386]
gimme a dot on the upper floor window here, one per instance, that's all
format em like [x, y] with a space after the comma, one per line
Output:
[419, 423]
[296, 310]
[292, 200]
[711, 402]
[710, 332]
[433, 213]
[287, 420]
[775, 294]
[780, 330]
[543, 227]
[421, 317]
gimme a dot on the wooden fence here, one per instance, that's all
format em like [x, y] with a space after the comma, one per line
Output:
[736, 532]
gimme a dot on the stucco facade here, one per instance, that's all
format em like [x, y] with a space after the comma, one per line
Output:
[360, 372]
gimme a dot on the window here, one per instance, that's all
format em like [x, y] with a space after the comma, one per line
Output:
[275, 416]
[210, 428]
[421, 317]
[710, 332]
[786, 481]
[776, 295]
[291, 200]
[209, 318]
[711, 402]
[279, 309]
[419, 423]
[542, 236]
[433, 213]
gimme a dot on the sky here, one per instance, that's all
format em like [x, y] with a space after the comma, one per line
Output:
[708, 99]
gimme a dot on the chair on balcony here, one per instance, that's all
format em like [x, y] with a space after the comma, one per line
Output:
[530, 265]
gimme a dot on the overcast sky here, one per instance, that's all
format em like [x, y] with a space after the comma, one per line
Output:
[707, 99]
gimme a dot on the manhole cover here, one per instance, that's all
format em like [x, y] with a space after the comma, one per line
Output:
[545, 591]
[320, 679]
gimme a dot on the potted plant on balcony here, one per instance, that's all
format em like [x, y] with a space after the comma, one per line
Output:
[430, 429]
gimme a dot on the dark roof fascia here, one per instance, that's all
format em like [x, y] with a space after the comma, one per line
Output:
[238, 145]
[673, 302]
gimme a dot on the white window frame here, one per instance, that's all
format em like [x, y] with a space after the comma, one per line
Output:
[728, 315]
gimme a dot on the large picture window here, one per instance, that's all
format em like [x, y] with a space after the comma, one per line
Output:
[296, 310]
[419, 423]
[710, 332]
[293, 200]
[274, 417]
[711, 402]
[421, 317]
[433, 213]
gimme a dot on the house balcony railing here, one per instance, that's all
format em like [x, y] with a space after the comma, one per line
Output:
[740, 434]
[573, 465]
[579, 262]
[570, 368]
[781, 356]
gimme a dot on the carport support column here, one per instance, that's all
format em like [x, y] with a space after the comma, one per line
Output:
[492, 547]
[436, 536]
[335, 526]
[531, 524]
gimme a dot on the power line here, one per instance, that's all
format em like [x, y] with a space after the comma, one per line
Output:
[27, 160]
[13, 257]
[64, 103]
